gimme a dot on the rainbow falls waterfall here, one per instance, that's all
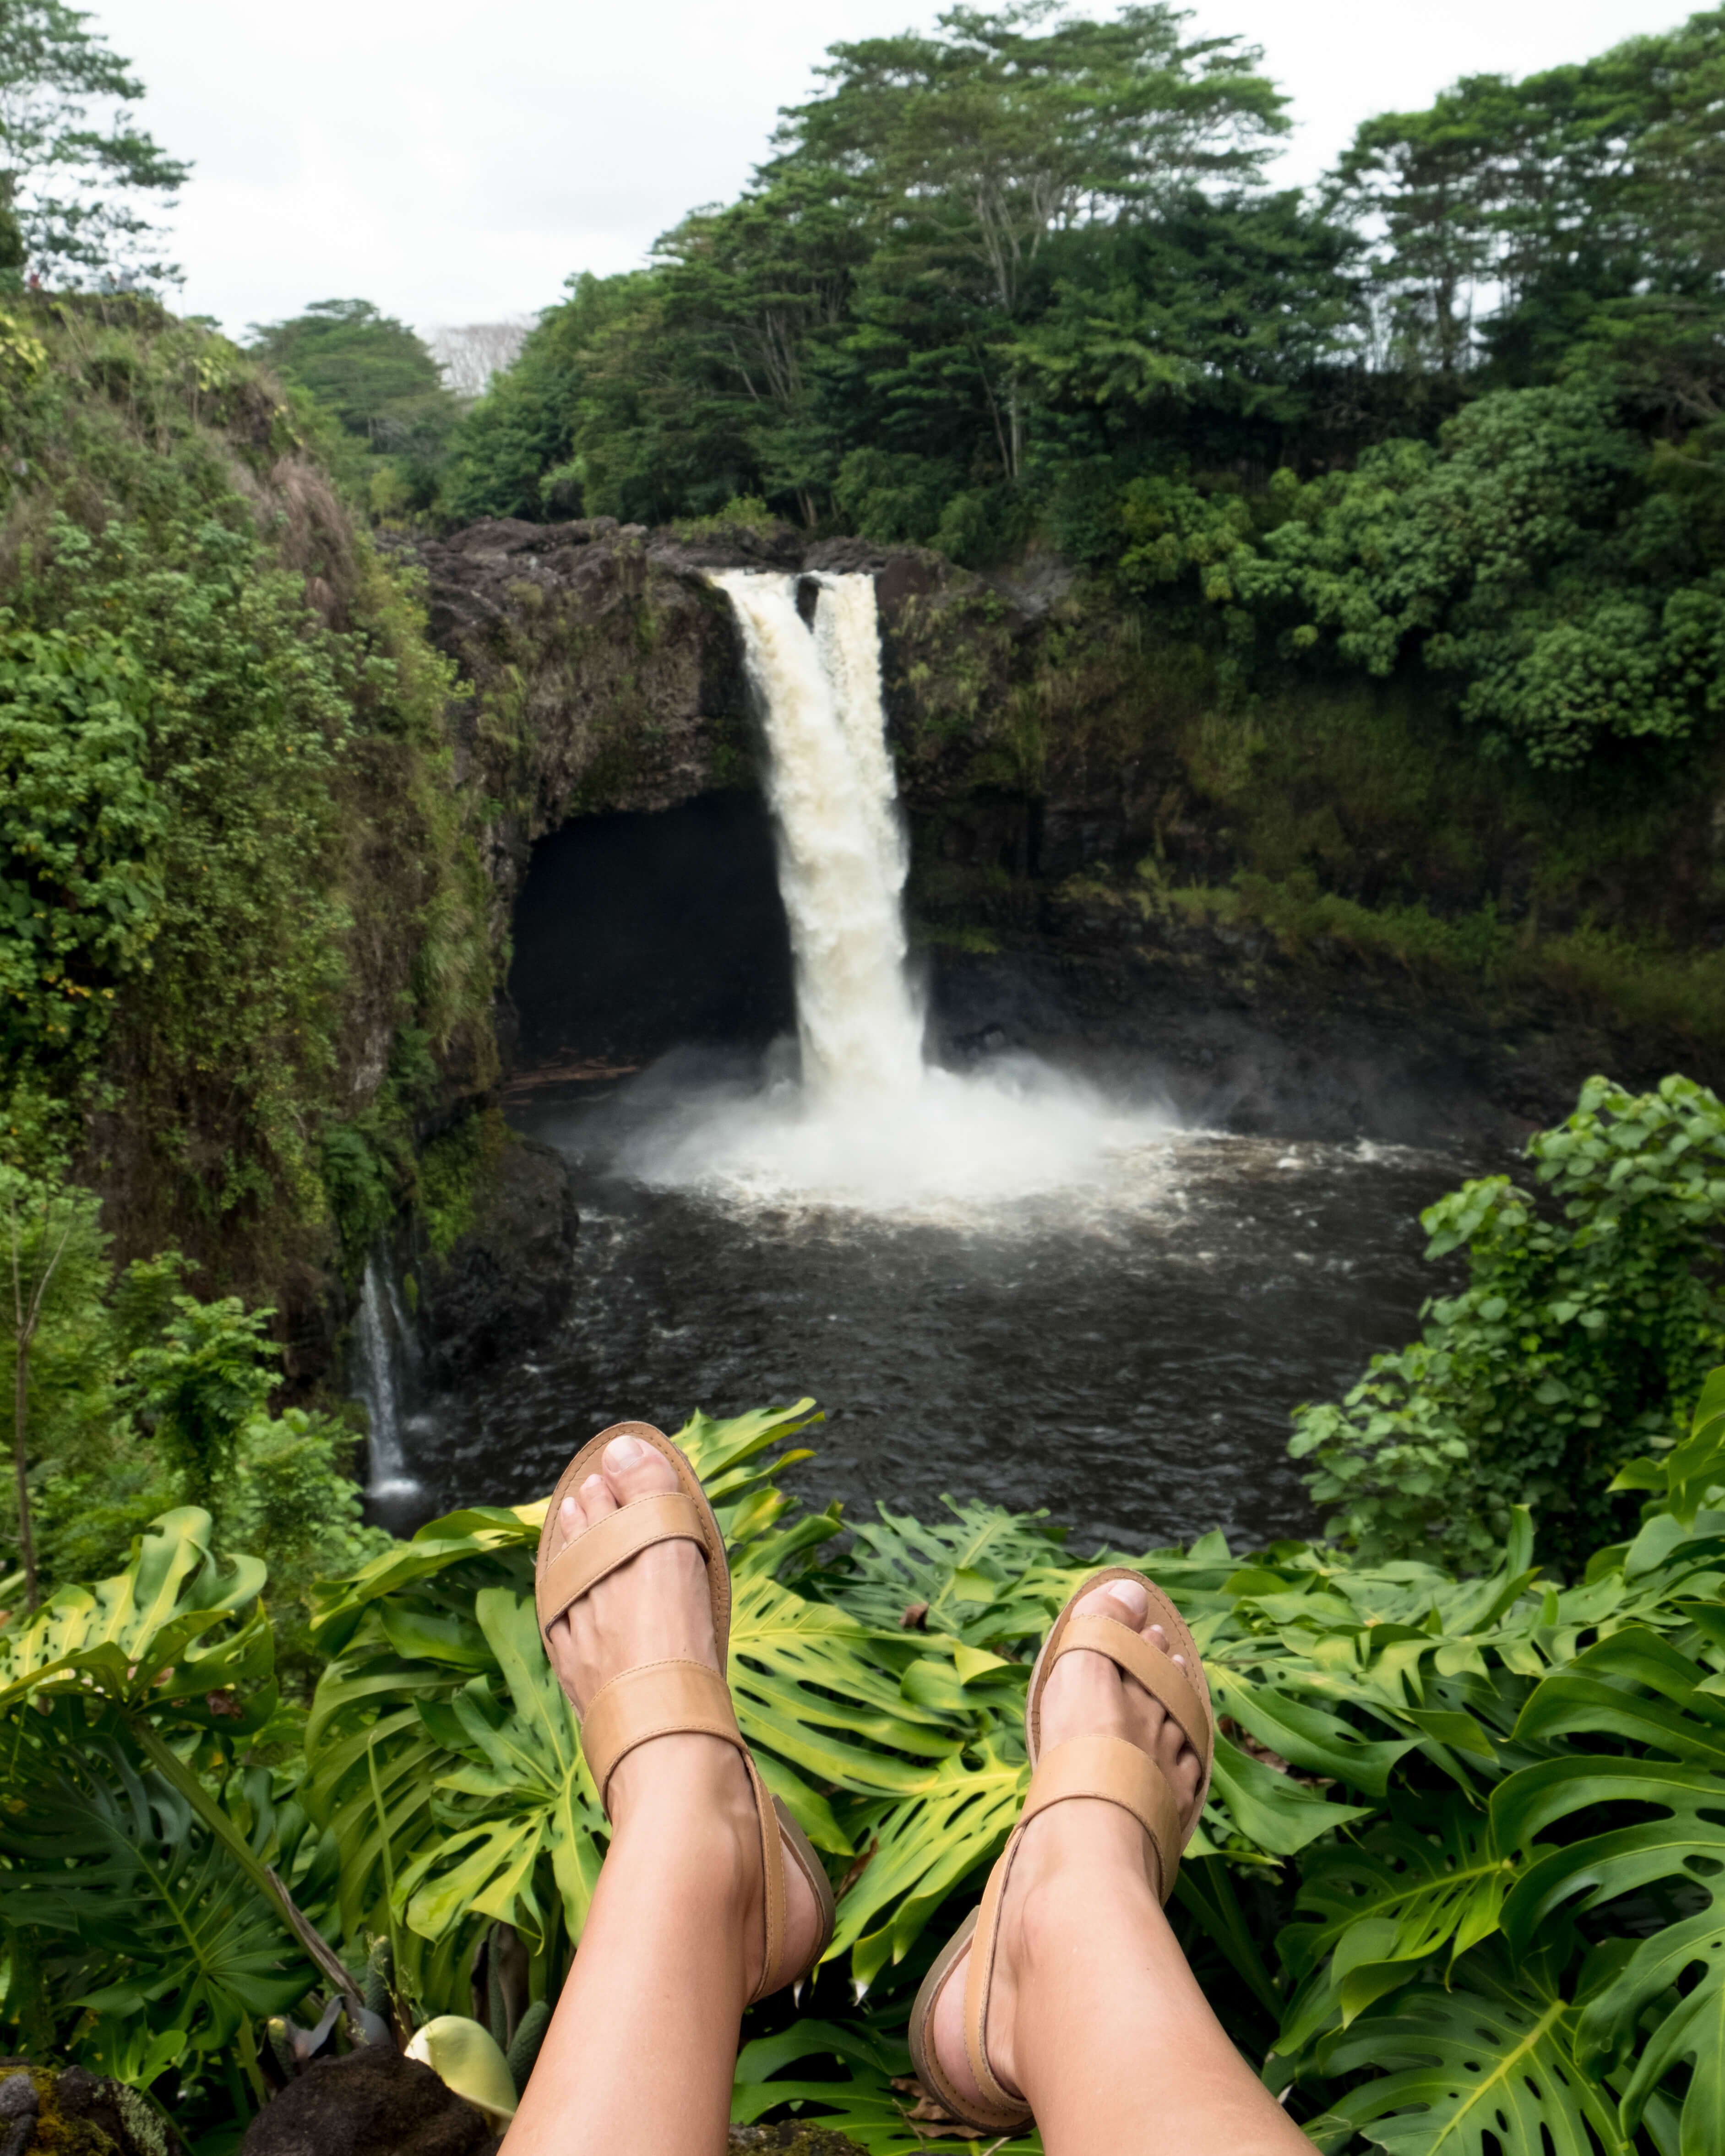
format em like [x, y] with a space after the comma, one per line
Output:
[842, 854]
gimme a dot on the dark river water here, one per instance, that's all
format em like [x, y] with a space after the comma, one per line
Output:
[1124, 1354]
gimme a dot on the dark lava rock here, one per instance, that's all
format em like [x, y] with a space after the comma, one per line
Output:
[507, 1280]
[374, 2102]
[77, 2113]
[789, 2138]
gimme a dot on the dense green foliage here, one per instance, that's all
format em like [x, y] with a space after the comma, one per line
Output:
[224, 739]
[1592, 1313]
[1410, 1801]
[376, 379]
[70, 193]
[1564, 584]
[1012, 282]
[141, 1397]
[1018, 280]
[852, 334]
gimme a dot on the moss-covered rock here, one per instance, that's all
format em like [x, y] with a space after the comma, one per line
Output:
[497, 1271]
[43, 2112]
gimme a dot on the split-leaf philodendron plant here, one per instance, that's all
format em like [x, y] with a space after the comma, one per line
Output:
[1456, 1888]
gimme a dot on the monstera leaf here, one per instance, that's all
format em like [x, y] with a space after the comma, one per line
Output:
[1431, 1882]
[444, 1756]
[1489, 2066]
[112, 1873]
[1678, 1856]
[985, 1576]
[144, 1637]
[517, 1790]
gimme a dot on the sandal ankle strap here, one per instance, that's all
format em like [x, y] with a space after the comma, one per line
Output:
[654, 1699]
[685, 1698]
[1117, 1773]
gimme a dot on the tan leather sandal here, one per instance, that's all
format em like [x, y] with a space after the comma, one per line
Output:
[1107, 1766]
[661, 1699]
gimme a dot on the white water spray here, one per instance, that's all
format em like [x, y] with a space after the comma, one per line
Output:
[870, 1125]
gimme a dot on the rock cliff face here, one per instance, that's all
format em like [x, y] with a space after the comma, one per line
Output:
[607, 677]
[604, 674]
[507, 1279]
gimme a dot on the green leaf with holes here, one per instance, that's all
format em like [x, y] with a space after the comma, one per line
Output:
[1489, 2066]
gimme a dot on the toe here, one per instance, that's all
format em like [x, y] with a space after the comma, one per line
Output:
[1127, 1601]
[571, 1519]
[1174, 1749]
[633, 1468]
[596, 1500]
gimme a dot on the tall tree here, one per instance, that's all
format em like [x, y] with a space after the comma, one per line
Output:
[71, 193]
[372, 373]
[966, 151]
[1512, 220]
[377, 379]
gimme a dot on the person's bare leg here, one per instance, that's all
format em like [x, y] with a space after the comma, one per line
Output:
[641, 2049]
[1095, 2017]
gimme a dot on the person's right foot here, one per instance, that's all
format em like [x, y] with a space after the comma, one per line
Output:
[656, 1607]
[1085, 1846]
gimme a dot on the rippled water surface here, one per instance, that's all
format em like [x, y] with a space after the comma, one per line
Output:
[1124, 1353]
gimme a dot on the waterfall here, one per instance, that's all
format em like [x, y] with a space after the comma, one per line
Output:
[870, 1126]
[842, 854]
[384, 1350]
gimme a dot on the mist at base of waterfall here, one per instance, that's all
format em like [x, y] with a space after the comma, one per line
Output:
[1124, 1354]
[986, 1140]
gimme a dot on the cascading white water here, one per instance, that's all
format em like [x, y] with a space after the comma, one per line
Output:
[870, 1124]
[841, 848]
[382, 1341]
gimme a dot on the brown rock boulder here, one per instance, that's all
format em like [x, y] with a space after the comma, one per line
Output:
[374, 2102]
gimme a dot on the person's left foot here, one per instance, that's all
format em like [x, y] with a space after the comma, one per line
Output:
[1085, 1847]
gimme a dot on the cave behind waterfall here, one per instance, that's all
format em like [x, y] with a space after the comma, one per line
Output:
[637, 934]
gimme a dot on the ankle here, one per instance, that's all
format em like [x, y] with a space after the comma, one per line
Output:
[694, 1789]
[1078, 1858]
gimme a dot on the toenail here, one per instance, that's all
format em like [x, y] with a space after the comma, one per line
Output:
[593, 1482]
[625, 1452]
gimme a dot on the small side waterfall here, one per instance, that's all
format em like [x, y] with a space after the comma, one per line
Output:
[841, 842]
[384, 1354]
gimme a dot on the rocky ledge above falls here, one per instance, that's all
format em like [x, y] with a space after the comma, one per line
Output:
[606, 672]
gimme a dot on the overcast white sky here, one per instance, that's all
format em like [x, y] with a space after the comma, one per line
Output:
[456, 163]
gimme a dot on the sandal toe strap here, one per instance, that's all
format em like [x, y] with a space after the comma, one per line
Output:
[1119, 1773]
[1158, 1673]
[667, 1516]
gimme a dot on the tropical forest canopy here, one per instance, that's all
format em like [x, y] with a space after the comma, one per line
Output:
[1021, 279]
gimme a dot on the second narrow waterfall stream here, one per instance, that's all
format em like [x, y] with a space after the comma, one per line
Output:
[1001, 1282]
